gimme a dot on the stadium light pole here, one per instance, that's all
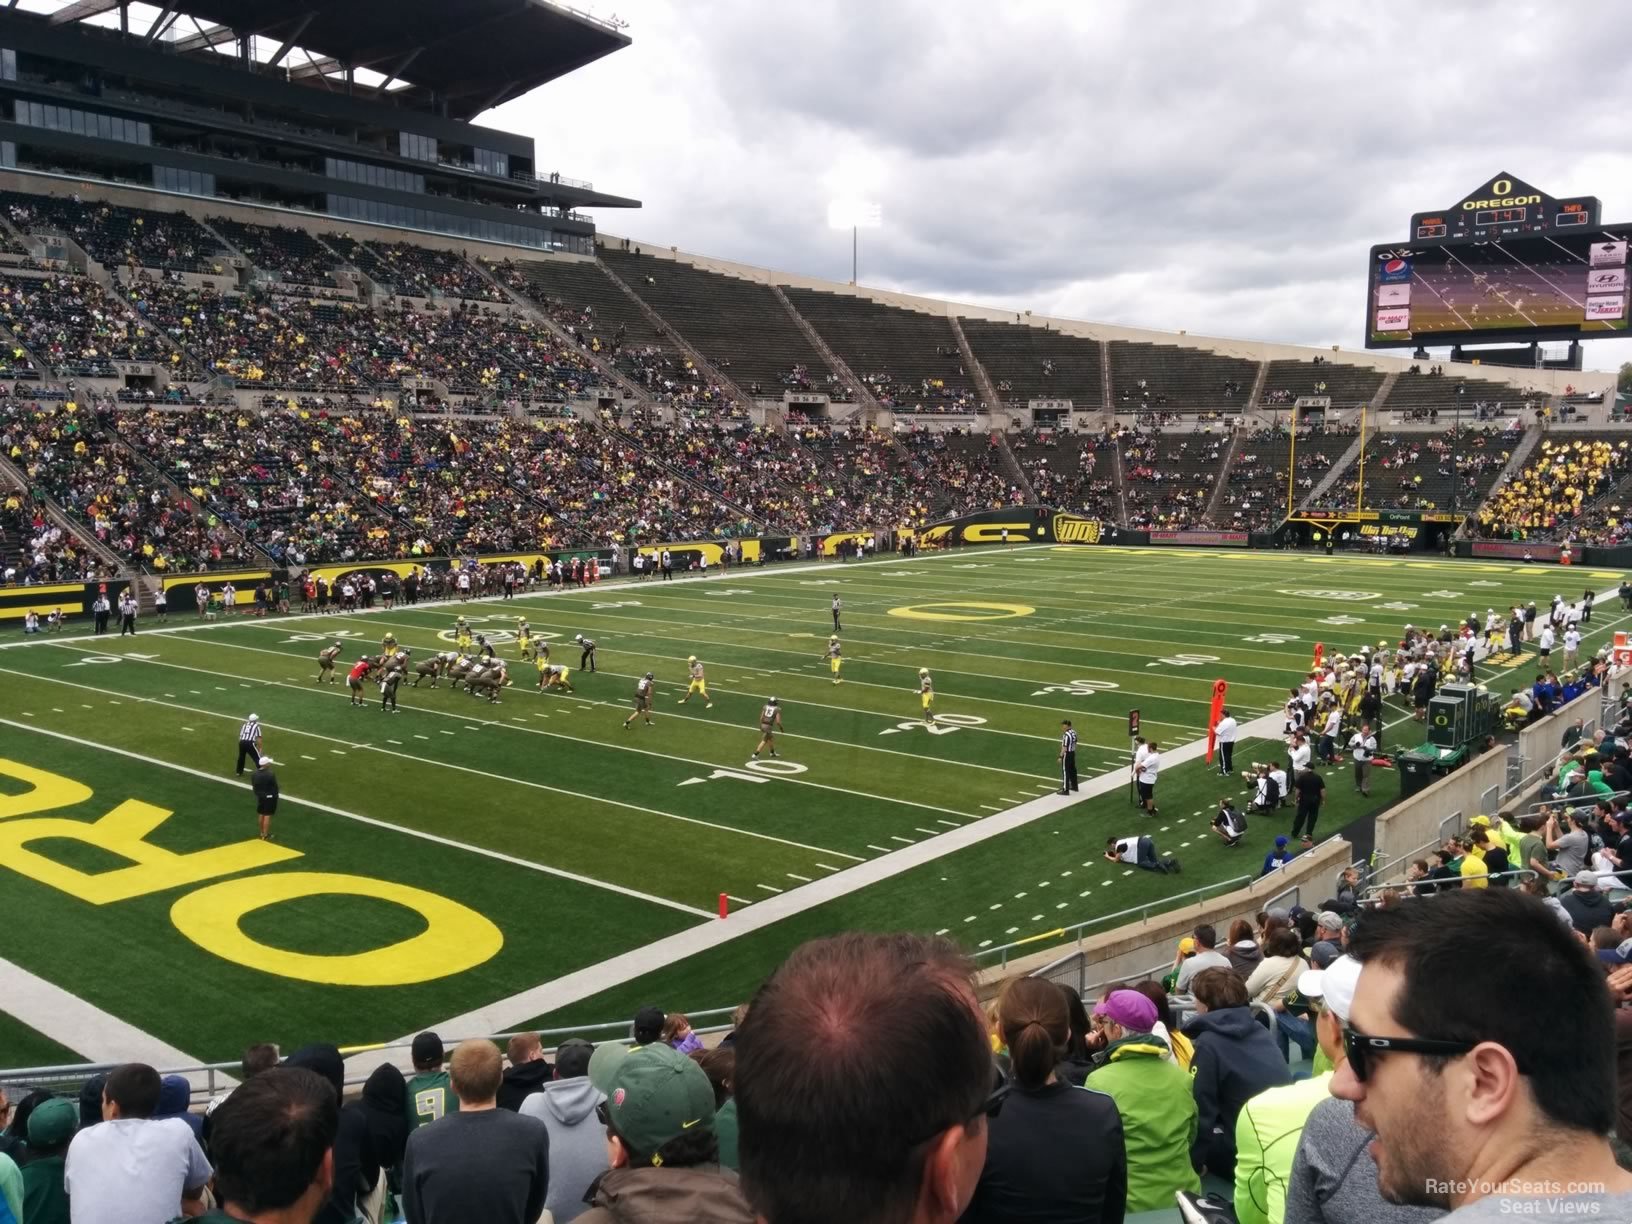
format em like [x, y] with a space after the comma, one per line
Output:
[854, 215]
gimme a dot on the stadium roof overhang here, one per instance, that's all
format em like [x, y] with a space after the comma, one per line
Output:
[464, 56]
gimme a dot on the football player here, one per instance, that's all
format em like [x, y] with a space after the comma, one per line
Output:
[770, 722]
[698, 684]
[643, 701]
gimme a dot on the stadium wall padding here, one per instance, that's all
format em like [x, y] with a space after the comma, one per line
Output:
[1142, 944]
[1409, 825]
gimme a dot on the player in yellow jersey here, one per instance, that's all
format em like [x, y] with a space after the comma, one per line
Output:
[926, 695]
[554, 675]
[388, 645]
[461, 636]
[524, 639]
[770, 722]
[834, 657]
[698, 685]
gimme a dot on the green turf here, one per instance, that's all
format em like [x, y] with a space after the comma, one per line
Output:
[677, 813]
[21, 1046]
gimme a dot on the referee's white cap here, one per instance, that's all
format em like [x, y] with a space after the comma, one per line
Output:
[266, 761]
[254, 718]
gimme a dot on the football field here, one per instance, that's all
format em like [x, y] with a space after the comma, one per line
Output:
[534, 861]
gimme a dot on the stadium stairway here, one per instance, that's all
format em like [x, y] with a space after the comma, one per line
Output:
[603, 364]
[1210, 515]
[1252, 396]
[983, 381]
[1340, 468]
[1121, 483]
[680, 474]
[1011, 465]
[110, 560]
[837, 364]
[715, 375]
[1106, 401]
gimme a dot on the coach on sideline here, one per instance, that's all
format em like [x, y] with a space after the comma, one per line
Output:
[249, 742]
[265, 785]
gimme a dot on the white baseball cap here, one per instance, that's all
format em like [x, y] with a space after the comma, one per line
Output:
[254, 718]
[1335, 984]
[266, 761]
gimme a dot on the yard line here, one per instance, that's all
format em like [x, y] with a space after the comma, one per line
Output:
[991, 807]
[899, 838]
[398, 743]
[423, 737]
[928, 832]
[304, 757]
[738, 900]
[800, 878]
[481, 851]
[796, 781]
[880, 849]
[827, 867]
[951, 824]
[768, 888]
[481, 773]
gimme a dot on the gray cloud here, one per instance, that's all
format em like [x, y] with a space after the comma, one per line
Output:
[1222, 169]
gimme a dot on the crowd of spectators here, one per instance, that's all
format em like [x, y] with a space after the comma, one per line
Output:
[1072, 471]
[34, 549]
[960, 471]
[72, 454]
[925, 395]
[1424, 1087]
[71, 324]
[1169, 478]
[118, 236]
[417, 271]
[1545, 500]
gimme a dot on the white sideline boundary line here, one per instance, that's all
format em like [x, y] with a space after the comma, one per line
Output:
[86, 1029]
[503, 1015]
[434, 838]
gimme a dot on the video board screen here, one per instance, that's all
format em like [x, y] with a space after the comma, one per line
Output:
[1544, 287]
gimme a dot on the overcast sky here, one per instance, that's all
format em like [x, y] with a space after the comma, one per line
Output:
[1220, 168]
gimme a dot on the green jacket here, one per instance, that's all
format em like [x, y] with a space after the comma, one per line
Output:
[1158, 1119]
[44, 1199]
[1267, 1131]
[725, 1130]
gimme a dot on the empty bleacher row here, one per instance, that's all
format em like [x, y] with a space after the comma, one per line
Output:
[1027, 363]
[1172, 378]
[1347, 386]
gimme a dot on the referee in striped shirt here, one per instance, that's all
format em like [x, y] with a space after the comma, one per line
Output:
[249, 742]
[1068, 757]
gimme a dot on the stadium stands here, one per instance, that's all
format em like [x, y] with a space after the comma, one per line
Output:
[1413, 471]
[1428, 394]
[872, 480]
[1255, 494]
[416, 271]
[294, 255]
[1347, 386]
[738, 326]
[1176, 379]
[34, 549]
[1027, 363]
[1170, 477]
[1567, 476]
[963, 471]
[73, 455]
[118, 236]
[1075, 472]
[75, 327]
[909, 361]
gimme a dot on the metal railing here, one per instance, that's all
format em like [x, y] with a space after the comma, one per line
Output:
[1077, 930]
[208, 1079]
[1521, 874]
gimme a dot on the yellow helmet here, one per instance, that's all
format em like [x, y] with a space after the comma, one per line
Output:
[923, 671]
[691, 658]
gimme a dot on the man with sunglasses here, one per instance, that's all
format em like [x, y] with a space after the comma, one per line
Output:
[1331, 1179]
[1489, 1084]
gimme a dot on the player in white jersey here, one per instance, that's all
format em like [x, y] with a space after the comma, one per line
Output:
[834, 657]
[770, 722]
[926, 695]
[643, 701]
[698, 684]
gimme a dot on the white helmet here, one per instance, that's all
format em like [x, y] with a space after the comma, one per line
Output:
[578, 637]
[254, 718]
[923, 671]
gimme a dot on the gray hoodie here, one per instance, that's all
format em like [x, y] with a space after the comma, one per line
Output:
[577, 1142]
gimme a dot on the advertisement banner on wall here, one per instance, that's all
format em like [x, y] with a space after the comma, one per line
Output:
[1515, 550]
[1200, 539]
[1019, 525]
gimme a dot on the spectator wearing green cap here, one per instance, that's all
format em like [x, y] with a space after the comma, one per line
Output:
[51, 1128]
[660, 1142]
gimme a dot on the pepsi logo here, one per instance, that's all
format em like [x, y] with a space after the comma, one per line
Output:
[1395, 265]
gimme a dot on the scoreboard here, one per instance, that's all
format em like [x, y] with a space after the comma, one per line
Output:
[1505, 263]
[1504, 207]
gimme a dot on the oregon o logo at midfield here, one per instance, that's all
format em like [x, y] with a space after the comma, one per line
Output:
[962, 610]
